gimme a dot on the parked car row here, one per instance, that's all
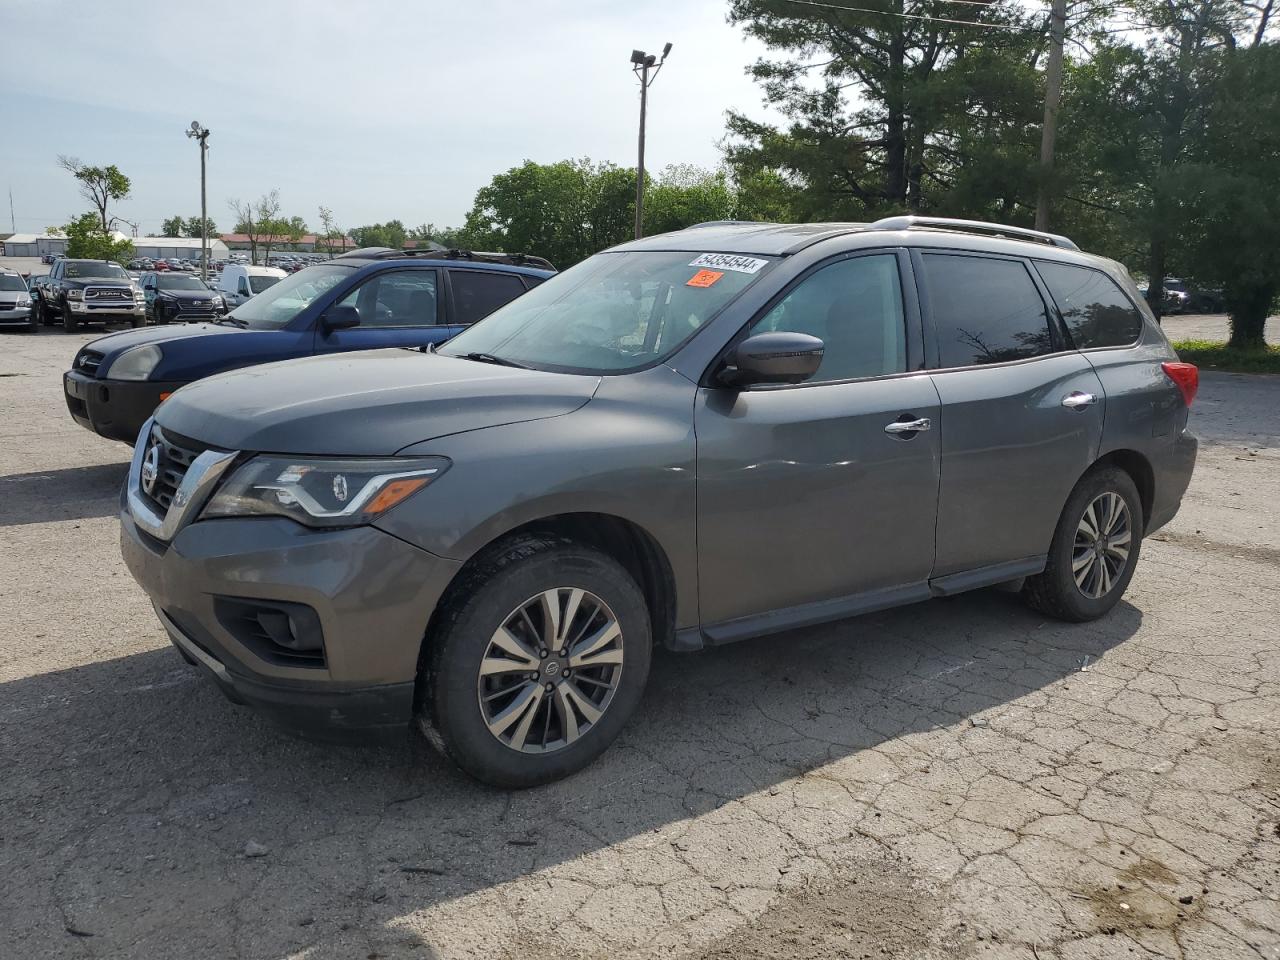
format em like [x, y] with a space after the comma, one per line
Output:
[723, 432]
[179, 264]
[367, 299]
[15, 301]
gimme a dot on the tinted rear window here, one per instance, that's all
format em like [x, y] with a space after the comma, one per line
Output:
[1097, 312]
[985, 311]
[477, 294]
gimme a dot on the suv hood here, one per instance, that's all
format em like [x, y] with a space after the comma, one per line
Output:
[369, 403]
[114, 344]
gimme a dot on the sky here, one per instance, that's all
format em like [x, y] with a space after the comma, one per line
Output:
[376, 109]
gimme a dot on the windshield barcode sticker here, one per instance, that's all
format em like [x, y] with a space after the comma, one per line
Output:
[729, 261]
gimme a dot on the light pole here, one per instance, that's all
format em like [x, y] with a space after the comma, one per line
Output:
[642, 63]
[201, 135]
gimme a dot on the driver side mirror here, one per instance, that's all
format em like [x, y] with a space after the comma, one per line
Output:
[340, 317]
[772, 358]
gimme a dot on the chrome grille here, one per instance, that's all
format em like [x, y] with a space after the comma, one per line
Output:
[113, 294]
[88, 361]
[175, 455]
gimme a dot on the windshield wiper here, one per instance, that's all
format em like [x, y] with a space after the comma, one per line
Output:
[490, 358]
[234, 321]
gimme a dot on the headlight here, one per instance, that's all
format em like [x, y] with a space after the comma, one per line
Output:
[322, 492]
[75, 294]
[136, 363]
[24, 301]
[139, 296]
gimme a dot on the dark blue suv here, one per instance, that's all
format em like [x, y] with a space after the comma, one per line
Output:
[369, 298]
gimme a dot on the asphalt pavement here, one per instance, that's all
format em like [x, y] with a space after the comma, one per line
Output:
[961, 778]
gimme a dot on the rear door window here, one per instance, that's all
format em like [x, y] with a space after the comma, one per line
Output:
[985, 310]
[1096, 311]
[476, 293]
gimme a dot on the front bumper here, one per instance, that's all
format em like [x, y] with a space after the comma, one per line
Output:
[185, 312]
[115, 409]
[16, 315]
[90, 312]
[371, 594]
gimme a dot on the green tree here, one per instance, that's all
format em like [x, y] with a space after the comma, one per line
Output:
[333, 235]
[887, 111]
[685, 194]
[1229, 204]
[390, 234]
[257, 220]
[99, 185]
[191, 227]
[86, 240]
[563, 211]
[173, 227]
[765, 195]
[295, 228]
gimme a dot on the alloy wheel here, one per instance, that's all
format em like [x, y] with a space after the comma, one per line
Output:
[1101, 550]
[550, 670]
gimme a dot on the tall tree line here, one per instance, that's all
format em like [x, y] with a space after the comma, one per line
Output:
[1168, 154]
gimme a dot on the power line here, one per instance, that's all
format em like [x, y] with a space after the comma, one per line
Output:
[913, 16]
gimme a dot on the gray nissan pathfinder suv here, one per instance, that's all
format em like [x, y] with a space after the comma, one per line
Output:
[728, 431]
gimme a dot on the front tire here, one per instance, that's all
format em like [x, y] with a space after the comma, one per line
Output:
[1094, 551]
[539, 660]
[69, 322]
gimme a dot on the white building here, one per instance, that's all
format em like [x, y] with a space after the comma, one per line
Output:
[179, 247]
[38, 244]
[32, 245]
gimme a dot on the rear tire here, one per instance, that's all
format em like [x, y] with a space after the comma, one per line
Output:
[1094, 551]
[477, 691]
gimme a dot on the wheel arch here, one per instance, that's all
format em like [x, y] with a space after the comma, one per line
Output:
[1139, 469]
[625, 541]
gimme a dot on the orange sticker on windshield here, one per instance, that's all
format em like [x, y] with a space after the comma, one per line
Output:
[704, 278]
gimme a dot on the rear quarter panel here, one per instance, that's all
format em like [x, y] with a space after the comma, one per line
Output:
[1145, 413]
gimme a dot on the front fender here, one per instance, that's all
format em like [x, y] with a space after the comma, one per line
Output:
[629, 452]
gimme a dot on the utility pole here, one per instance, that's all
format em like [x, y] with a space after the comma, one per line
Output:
[642, 63]
[1052, 97]
[201, 134]
[13, 224]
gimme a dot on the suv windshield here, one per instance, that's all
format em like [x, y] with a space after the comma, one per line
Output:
[9, 281]
[613, 312]
[275, 307]
[167, 282]
[93, 270]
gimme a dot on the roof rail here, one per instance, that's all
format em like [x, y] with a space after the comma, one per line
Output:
[445, 253]
[720, 223]
[974, 226]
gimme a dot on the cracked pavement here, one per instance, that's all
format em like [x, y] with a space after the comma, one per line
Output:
[961, 778]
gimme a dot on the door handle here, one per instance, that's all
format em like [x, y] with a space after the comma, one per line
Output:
[899, 427]
[1078, 400]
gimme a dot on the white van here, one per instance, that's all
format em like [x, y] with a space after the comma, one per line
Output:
[239, 282]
